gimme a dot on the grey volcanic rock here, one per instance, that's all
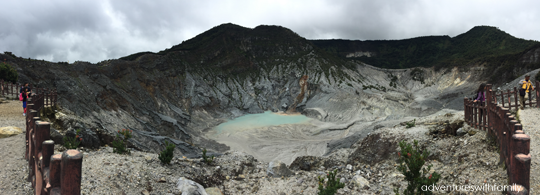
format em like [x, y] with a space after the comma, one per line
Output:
[316, 113]
[167, 97]
[373, 149]
[278, 169]
[189, 187]
[306, 163]
[461, 132]
[56, 136]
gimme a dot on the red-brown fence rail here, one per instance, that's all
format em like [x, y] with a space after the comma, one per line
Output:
[500, 124]
[49, 173]
[12, 90]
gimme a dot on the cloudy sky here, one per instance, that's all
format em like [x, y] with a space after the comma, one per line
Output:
[96, 30]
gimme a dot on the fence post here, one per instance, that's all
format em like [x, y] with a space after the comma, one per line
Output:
[517, 189]
[513, 153]
[70, 176]
[53, 183]
[510, 133]
[55, 97]
[29, 115]
[522, 167]
[516, 94]
[537, 94]
[475, 115]
[467, 111]
[502, 98]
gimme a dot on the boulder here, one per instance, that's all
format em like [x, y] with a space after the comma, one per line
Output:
[213, 191]
[56, 136]
[360, 181]
[9, 131]
[373, 149]
[316, 113]
[306, 163]
[278, 169]
[461, 132]
[188, 187]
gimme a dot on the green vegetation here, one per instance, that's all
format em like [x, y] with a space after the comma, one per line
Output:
[478, 44]
[208, 160]
[410, 124]
[331, 186]
[393, 80]
[72, 142]
[134, 56]
[498, 51]
[417, 74]
[537, 76]
[8, 73]
[377, 87]
[166, 155]
[120, 143]
[411, 162]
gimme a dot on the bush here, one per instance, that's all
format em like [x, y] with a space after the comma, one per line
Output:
[411, 124]
[332, 185]
[410, 164]
[8, 73]
[119, 145]
[166, 155]
[207, 159]
[72, 142]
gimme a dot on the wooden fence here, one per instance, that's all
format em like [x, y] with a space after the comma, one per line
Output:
[514, 145]
[49, 173]
[12, 90]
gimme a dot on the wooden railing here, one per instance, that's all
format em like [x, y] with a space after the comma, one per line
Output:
[49, 173]
[500, 124]
[49, 96]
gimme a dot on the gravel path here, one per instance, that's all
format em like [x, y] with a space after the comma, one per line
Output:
[531, 126]
[13, 166]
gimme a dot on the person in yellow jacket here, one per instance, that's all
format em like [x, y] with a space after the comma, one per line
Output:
[525, 87]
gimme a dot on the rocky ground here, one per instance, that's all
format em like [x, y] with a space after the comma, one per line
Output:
[368, 167]
[529, 120]
[13, 166]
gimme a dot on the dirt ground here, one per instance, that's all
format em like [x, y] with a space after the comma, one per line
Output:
[13, 166]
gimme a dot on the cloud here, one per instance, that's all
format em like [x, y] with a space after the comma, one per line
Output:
[96, 30]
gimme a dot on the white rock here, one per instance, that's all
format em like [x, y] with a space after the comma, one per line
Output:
[278, 169]
[188, 187]
[9, 131]
[360, 181]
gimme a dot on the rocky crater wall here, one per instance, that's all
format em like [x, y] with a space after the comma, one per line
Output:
[160, 99]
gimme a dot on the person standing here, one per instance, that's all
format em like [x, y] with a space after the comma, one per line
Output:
[27, 88]
[25, 98]
[480, 98]
[525, 86]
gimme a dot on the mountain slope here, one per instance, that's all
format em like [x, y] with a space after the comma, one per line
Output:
[479, 45]
[181, 93]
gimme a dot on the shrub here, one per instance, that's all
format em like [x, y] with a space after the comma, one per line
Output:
[166, 155]
[332, 185]
[411, 124]
[7, 72]
[119, 145]
[418, 75]
[411, 165]
[72, 142]
[207, 159]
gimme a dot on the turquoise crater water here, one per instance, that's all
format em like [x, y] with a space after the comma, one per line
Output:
[252, 121]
